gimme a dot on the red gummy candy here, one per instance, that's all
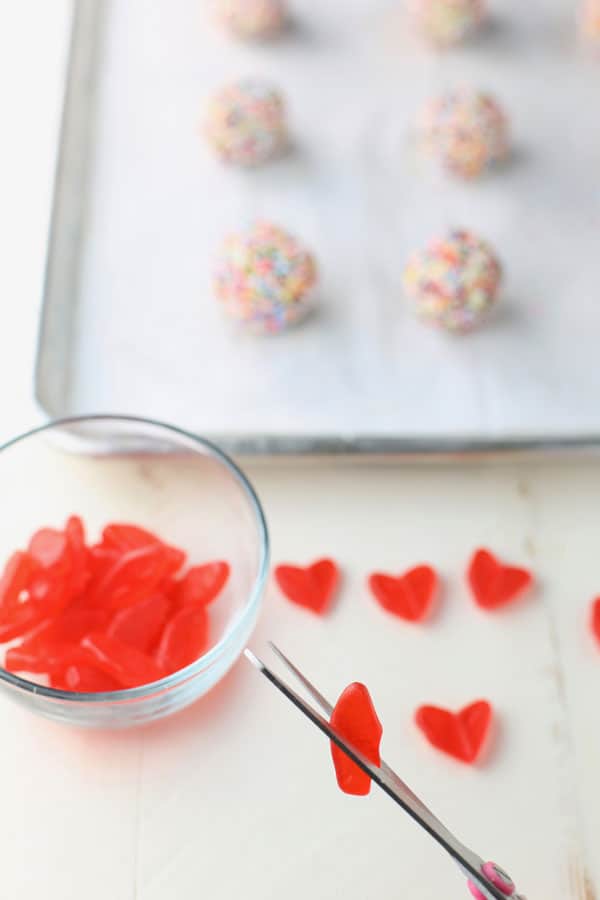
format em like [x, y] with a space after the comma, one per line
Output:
[24, 659]
[80, 574]
[410, 596]
[74, 624]
[50, 548]
[68, 628]
[460, 734]
[183, 640]
[17, 574]
[127, 537]
[75, 531]
[19, 620]
[45, 653]
[141, 625]
[94, 618]
[312, 587]
[127, 665]
[122, 538]
[131, 577]
[62, 557]
[84, 679]
[48, 660]
[494, 584]
[355, 719]
[53, 643]
[595, 618]
[100, 560]
[50, 591]
[201, 584]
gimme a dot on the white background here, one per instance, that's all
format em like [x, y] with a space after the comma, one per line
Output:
[33, 42]
[236, 795]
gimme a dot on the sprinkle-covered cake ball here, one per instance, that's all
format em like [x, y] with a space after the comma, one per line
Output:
[246, 123]
[467, 131]
[589, 22]
[265, 279]
[454, 281]
[447, 22]
[252, 19]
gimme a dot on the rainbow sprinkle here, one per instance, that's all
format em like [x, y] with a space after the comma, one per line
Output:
[448, 22]
[467, 131]
[246, 123]
[265, 279]
[454, 281]
[252, 19]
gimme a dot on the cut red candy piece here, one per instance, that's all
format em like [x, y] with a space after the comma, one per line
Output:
[132, 577]
[42, 634]
[84, 679]
[410, 596]
[80, 571]
[74, 623]
[47, 642]
[124, 663]
[460, 734]
[100, 560]
[48, 659]
[122, 538]
[127, 537]
[141, 625]
[50, 590]
[312, 587]
[18, 572]
[19, 620]
[31, 654]
[201, 584]
[75, 531]
[355, 719]
[50, 548]
[595, 618]
[494, 584]
[184, 639]
[45, 650]
[22, 659]
[63, 559]
[175, 560]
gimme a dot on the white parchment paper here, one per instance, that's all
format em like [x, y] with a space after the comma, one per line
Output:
[149, 337]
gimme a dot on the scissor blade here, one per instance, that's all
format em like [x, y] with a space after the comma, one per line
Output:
[469, 862]
[317, 696]
[400, 785]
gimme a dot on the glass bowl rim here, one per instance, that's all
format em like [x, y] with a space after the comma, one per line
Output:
[204, 661]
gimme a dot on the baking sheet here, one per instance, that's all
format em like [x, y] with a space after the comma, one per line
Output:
[130, 324]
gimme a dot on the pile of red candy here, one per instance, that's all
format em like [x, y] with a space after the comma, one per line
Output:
[106, 616]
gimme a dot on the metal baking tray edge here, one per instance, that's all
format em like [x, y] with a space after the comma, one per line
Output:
[68, 211]
[66, 230]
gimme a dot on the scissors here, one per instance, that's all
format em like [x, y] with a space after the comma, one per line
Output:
[485, 880]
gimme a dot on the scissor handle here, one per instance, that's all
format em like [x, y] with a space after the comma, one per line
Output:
[498, 877]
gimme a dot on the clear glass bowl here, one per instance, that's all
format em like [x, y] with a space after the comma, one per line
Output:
[150, 474]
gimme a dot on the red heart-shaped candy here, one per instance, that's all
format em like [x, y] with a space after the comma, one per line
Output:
[312, 587]
[595, 618]
[410, 596]
[460, 734]
[355, 719]
[494, 584]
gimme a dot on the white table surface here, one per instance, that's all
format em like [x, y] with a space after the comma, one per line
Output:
[235, 796]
